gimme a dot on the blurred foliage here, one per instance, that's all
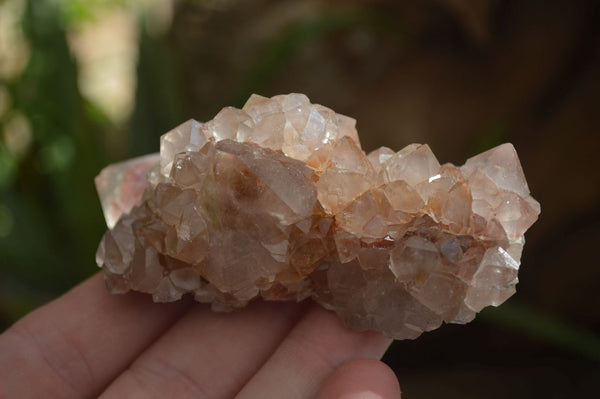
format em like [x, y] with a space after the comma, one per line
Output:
[47, 191]
[159, 100]
[75, 11]
[50, 218]
[277, 51]
[531, 322]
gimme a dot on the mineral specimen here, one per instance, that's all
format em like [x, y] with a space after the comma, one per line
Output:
[278, 201]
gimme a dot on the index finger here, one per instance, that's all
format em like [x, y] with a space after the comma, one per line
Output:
[317, 346]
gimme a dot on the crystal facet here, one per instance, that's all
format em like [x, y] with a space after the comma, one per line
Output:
[278, 201]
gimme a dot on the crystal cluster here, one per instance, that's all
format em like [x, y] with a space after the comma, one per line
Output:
[278, 201]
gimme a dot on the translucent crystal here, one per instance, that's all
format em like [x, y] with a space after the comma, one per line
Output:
[278, 201]
[121, 186]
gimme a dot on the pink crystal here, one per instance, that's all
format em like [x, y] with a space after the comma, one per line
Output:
[278, 201]
[121, 185]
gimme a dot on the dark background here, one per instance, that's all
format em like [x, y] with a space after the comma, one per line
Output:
[462, 76]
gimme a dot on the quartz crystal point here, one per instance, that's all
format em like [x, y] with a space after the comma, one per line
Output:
[278, 201]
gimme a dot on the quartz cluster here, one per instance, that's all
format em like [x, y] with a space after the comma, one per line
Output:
[278, 201]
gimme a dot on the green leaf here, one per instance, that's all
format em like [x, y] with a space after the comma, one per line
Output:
[542, 327]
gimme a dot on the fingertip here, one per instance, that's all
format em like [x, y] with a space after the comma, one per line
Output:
[361, 379]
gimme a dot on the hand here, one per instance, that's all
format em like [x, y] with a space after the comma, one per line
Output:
[89, 343]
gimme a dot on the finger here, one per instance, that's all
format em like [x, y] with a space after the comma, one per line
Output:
[75, 345]
[361, 379]
[207, 354]
[317, 346]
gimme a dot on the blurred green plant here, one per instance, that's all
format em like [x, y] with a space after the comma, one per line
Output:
[535, 324]
[75, 11]
[50, 217]
[46, 190]
[301, 32]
